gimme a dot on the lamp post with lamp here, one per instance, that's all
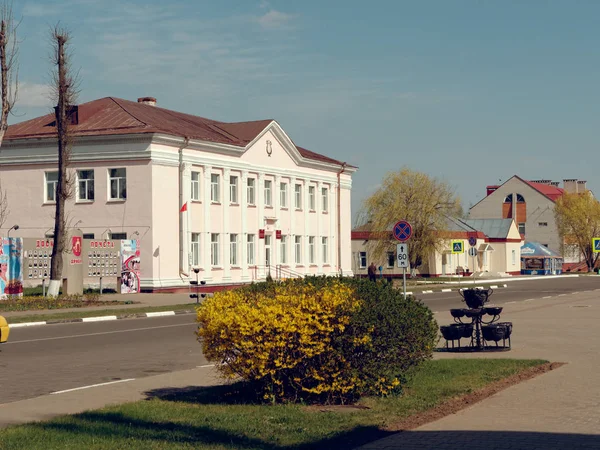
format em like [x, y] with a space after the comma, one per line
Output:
[14, 227]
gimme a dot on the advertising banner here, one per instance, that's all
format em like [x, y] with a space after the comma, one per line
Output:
[130, 266]
[11, 268]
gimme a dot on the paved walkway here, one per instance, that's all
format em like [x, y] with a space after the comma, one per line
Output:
[557, 410]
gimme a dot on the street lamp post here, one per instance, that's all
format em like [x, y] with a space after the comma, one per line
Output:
[14, 227]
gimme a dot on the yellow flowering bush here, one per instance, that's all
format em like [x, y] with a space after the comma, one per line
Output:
[299, 339]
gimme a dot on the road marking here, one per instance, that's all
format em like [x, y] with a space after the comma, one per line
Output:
[529, 300]
[562, 295]
[99, 334]
[494, 287]
[207, 365]
[548, 296]
[160, 313]
[446, 290]
[99, 319]
[409, 293]
[91, 386]
[22, 325]
[508, 303]
[427, 292]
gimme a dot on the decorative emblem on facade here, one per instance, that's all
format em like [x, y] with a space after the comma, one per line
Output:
[269, 148]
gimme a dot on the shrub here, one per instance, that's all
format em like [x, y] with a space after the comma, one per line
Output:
[318, 339]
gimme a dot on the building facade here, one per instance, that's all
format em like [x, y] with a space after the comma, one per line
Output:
[234, 200]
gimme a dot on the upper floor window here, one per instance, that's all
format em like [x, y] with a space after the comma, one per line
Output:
[195, 186]
[542, 224]
[268, 196]
[51, 184]
[118, 184]
[311, 198]
[325, 199]
[85, 185]
[298, 196]
[283, 194]
[509, 198]
[522, 228]
[118, 236]
[215, 192]
[251, 191]
[233, 189]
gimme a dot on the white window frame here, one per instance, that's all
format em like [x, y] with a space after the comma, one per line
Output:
[298, 196]
[86, 182]
[215, 187]
[251, 247]
[268, 188]
[195, 186]
[311, 249]
[298, 249]
[311, 198]
[233, 189]
[233, 249]
[514, 257]
[50, 187]
[118, 179]
[325, 249]
[283, 200]
[325, 199]
[195, 249]
[251, 191]
[214, 249]
[283, 249]
[362, 260]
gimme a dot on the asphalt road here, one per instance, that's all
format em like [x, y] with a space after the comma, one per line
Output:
[46, 359]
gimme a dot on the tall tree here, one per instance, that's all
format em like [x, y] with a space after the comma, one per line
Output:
[65, 92]
[8, 83]
[578, 221]
[423, 201]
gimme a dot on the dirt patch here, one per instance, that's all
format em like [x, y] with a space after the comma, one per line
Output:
[454, 405]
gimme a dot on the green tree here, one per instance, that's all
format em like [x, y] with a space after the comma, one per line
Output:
[423, 201]
[578, 221]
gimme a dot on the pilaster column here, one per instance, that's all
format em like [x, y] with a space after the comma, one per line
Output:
[307, 228]
[259, 195]
[185, 220]
[277, 208]
[332, 228]
[226, 230]
[319, 233]
[244, 220]
[292, 212]
[205, 245]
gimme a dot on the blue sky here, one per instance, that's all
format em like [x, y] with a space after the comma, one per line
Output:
[469, 91]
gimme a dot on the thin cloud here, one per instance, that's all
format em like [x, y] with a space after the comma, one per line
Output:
[33, 95]
[275, 20]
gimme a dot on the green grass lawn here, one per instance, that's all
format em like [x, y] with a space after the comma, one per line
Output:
[219, 418]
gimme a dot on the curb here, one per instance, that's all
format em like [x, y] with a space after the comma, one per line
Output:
[102, 318]
[494, 286]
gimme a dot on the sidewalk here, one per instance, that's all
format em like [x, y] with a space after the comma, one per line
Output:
[557, 410]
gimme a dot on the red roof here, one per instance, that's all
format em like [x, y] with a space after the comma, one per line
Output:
[552, 192]
[110, 116]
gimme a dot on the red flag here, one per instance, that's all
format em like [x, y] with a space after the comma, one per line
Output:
[184, 207]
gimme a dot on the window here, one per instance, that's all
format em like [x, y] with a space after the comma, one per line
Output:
[391, 259]
[509, 198]
[520, 199]
[522, 228]
[233, 189]
[514, 257]
[118, 235]
[362, 260]
[298, 249]
[325, 199]
[233, 249]
[118, 184]
[195, 249]
[89, 236]
[268, 199]
[214, 249]
[196, 186]
[283, 249]
[250, 192]
[311, 249]
[542, 224]
[311, 198]
[298, 196]
[51, 183]
[325, 248]
[214, 188]
[85, 185]
[283, 195]
[251, 240]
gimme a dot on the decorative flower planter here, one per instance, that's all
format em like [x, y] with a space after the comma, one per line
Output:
[494, 332]
[475, 298]
[457, 313]
[473, 312]
[493, 310]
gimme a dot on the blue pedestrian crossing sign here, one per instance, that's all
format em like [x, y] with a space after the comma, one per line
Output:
[458, 247]
[596, 245]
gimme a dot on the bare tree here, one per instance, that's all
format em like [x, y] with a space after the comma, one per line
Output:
[4, 211]
[64, 85]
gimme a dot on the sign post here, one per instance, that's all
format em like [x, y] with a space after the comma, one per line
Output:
[473, 250]
[402, 233]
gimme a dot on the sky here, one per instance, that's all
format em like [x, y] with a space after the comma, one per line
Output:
[470, 92]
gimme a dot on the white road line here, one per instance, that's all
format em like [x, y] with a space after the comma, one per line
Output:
[99, 319]
[508, 303]
[529, 300]
[98, 334]
[427, 292]
[409, 293]
[446, 290]
[207, 365]
[91, 386]
[160, 313]
[548, 296]
[562, 295]
[28, 324]
[494, 287]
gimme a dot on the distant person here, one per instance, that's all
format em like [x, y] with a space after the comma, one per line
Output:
[372, 271]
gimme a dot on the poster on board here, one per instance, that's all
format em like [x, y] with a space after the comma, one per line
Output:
[11, 268]
[130, 266]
